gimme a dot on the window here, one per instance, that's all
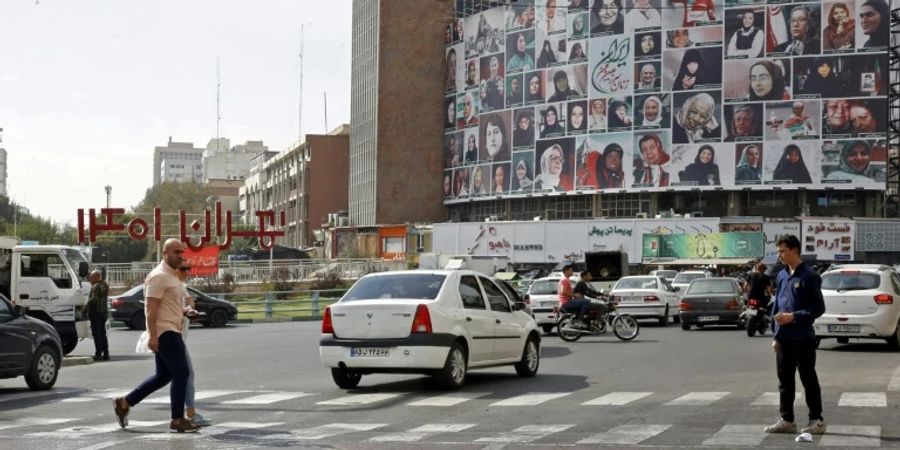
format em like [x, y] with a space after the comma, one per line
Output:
[470, 293]
[850, 281]
[712, 286]
[685, 278]
[6, 311]
[545, 287]
[496, 298]
[394, 244]
[624, 205]
[42, 266]
[398, 286]
[636, 283]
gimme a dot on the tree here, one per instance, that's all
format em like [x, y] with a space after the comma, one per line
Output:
[170, 198]
[15, 220]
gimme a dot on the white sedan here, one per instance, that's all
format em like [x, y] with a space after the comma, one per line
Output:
[440, 323]
[861, 301]
[646, 296]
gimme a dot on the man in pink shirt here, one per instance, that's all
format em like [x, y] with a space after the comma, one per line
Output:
[567, 300]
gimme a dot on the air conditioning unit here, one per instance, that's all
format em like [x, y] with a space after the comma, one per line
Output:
[343, 221]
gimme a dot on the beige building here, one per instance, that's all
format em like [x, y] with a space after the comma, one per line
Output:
[221, 161]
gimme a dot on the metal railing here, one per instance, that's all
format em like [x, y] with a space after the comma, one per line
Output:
[309, 304]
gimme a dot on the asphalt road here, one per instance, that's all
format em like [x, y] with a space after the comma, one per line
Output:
[263, 386]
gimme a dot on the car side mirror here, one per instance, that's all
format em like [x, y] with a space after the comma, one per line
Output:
[21, 310]
[83, 269]
[519, 306]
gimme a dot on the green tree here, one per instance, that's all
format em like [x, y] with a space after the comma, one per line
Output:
[170, 198]
[15, 220]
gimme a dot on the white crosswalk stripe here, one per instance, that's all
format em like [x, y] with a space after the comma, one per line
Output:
[357, 399]
[528, 433]
[863, 399]
[447, 399]
[851, 436]
[324, 431]
[82, 431]
[30, 422]
[268, 399]
[214, 430]
[626, 434]
[698, 399]
[617, 399]
[530, 399]
[419, 433]
[772, 399]
[738, 435]
[199, 395]
[104, 444]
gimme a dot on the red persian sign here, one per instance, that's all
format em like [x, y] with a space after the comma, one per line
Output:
[203, 262]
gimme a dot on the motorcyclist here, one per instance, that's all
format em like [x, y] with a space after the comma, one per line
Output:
[584, 290]
[759, 287]
[567, 300]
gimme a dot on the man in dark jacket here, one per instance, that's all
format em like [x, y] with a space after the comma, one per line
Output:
[97, 313]
[798, 302]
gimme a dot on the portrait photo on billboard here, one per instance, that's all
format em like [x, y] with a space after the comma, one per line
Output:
[854, 163]
[535, 86]
[854, 118]
[551, 16]
[579, 25]
[522, 181]
[451, 117]
[521, 16]
[607, 17]
[485, 32]
[650, 159]
[745, 32]
[748, 169]
[691, 13]
[597, 118]
[841, 76]
[652, 111]
[839, 26]
[576, 113]
[551, 120]
[491, 89]
[578, 52]
[578, 5]
[620, 114]
[524, 130]
[647, 45]
[611, 65]
[567, 82]
[470, 102]
[602, 162]
[480, 180]
[520, 51]
[515, 90]
[792, 162]
[743, 122]
[692, 69]
[554, 165]
[455, 70]
[453, 32]
[461, 183]
[872, 34]
[470, 146]
[757, 80]
[448, 185]
[794, 30]
[642, 15]
[696, 117]
[551, 50]
[500, 180]
[494, 136]
[473, 74]
[647, 76]
[453, 149]
[701, 165]
[712, 36]
[798, 119]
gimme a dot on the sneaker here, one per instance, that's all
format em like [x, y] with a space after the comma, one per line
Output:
[121, 411]
[183, 425]
[200, 421]
[782, 426]
[815, 427]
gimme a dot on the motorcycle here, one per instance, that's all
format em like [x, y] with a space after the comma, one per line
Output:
[755, 318]
[623, 325]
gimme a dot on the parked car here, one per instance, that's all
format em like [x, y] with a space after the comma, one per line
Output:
[542, 296]
[129, 308]
[28, 347]
[712, 301]
[683, 279]
[645, 297]
[861, 301]
[440, 323]
[669, 275]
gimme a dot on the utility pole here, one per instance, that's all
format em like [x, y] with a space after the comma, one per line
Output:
[108, 189]
[300, 115]
[218, 104]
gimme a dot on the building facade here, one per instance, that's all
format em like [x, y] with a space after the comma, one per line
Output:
[3, 174]
[223, 162]
[177, 162]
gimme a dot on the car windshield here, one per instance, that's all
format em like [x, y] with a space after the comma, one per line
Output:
[636, 283]
[545, 287]
[711, 286]
[397, 286]
[685, 278]
[666, 273]
[850, 281]
[74, 257]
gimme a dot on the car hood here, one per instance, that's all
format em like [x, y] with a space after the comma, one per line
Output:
[39, 324]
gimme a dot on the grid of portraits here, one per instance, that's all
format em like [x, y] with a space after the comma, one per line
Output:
[643, 95]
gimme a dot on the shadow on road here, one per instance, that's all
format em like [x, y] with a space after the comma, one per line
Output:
[861, 347]
[554, 352]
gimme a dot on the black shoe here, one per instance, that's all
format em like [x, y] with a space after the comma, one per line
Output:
[96, 357]
[106, 357]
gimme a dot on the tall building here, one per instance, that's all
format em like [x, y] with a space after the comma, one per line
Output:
[396, 109]
[179, 162]
[223, 162]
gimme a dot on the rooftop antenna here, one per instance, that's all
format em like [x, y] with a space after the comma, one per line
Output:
[300, 106]
[218, 103]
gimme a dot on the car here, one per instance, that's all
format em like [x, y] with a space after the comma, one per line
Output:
[861, 301]
[29, 347]
[683, 279]
[712, 301]
[669, 275]
[644, 296]
[543, 298]
[440, 323]
[128, 308]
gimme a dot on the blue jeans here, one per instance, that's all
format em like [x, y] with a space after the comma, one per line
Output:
[189, 391]
[580, 306]
[171, 365]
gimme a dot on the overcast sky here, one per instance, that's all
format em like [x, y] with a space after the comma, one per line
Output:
[89, 87]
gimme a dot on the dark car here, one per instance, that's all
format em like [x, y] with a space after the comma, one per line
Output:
[711, 301]
[28, 347]
[129, 308]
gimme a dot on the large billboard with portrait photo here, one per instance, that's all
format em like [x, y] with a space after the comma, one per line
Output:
[552, 96]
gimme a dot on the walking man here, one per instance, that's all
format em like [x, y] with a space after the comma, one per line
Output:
[97, 313]
[163, 293]
[798, 302]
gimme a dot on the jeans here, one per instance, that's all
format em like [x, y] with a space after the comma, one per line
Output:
[189, 391]
[579, 306]
[98, 332]
[793, 356]
[171, 365]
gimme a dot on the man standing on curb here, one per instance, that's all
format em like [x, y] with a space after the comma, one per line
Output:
[163, 293]
[798, 303]
[98, 312]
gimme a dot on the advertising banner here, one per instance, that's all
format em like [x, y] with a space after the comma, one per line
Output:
[828, 240]
[203, 262]
[704, 245]
[775, 230]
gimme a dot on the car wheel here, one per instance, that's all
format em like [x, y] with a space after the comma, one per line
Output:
[676, 318]
[843, 340]
[547, 328]
[685, 326]
[453, 374]
[139, 321]
[344, 378]
[894, 341]
[44, 369]
[218, 318]
[531, 358]
[664, 320]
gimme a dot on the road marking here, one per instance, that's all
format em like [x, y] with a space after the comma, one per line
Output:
[698, 399]
[738, 435]
[851, 436]
[103, 445]
[267, 399]
[213, 430]
[864, 399]
[617, 398]
[894, 384]
[200, 395]
[447, 400]
[78, 432]
[109, 393]
[357, 399]
[530, 399]
[773, 399]
[324, 431]
[417, 434]
[80, 399]
[33, 422]
[626, 435]
[528, 433]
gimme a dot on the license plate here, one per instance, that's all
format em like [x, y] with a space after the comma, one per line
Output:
[370, 352]
[548, 304]
[751, 312]
[632, 299]
[708, 318]
[844, 328]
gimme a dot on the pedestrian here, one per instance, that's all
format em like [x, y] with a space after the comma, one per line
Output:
[98, 311]
[162, 308]
[798, 302]
[189, 313]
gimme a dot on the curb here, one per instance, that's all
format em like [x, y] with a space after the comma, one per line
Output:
[77, 361]
[275, 320]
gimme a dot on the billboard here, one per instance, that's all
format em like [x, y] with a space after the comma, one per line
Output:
[828, 239]
[703, 245]
[650, 95]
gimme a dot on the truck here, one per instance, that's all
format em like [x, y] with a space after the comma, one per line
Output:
[606, 268]
[51, 282]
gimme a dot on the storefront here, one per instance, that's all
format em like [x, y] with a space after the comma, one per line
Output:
[828, 239]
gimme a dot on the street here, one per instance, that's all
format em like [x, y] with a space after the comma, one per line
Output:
[262, 385]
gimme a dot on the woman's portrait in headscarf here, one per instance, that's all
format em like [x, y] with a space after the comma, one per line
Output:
[649, 161]
[472, 73]
[577, 117]
[874, 21]
[822, 79]
[578, 25]
[607, 17]
[578, 54]
[523, 172]
[562, 90]
[696, 120]
[767, 81]
[652, 111]
[647, 78]
[855, 164]
[749, 166]
[744, 122]
[597, 119]
[647, 45]
[555, 169]
[479, 181]
[451, 70]
[494, 137]
[840, 29]
[791, 168]
[470, 156]
[619, 113]
[696, 69]
[500, 178]
[450, 113]
[453, 145]
[703, 171]
[524, 132]
[470, 110]
[680, 38]
[461, 183]
[534, 87]
[515, 90]
[520, 52]
[747, 33]
[548, 56]
[551, 122]
[448, 184]
[603, 169]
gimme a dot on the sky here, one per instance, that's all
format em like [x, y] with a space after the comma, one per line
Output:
[89, 87]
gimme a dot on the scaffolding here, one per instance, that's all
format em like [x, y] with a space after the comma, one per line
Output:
[892, 191]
